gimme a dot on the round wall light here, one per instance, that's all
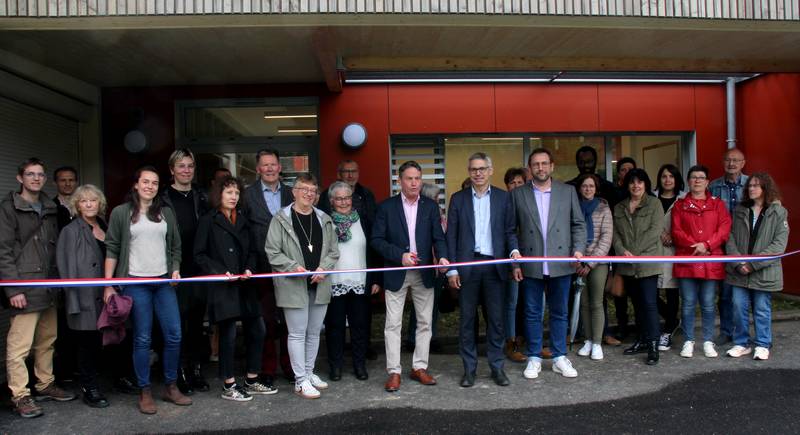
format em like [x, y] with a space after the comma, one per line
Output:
[135, 141]
[354, 135]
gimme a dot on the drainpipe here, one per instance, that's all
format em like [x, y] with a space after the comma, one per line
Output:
[730, 94]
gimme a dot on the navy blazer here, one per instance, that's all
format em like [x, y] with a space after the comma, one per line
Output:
[390, 238]
[259, 218]
[461, 229]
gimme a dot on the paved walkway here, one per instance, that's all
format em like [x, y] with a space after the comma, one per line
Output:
[616, 377]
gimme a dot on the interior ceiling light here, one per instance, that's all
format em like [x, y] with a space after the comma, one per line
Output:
[297, 130]
[501, 138]
[266, 116]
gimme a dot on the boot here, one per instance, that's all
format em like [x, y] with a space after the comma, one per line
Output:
[198, 382]
[652, 353]
[640, 346]
[146, 403]
[174, 395]
[512, 353]
[184, 384]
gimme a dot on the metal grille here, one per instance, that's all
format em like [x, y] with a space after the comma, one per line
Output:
[429, 153]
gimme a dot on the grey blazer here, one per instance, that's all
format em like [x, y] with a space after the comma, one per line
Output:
[79, 256]
[566, 229]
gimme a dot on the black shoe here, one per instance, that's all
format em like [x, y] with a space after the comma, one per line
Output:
[335, 374]
[652, 353]
[125, 386]
[361, 373]
[638, 347]
[94, 398]
[468, 380]
[500, 378]
[268, 381]
[198, 382]
[371, 354]
[184, 385]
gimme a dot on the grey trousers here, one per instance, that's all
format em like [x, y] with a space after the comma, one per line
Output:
[304, 326]
[592, 316]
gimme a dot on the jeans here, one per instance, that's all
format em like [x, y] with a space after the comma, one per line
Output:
[557, 301]
[726, 310]
[693, 289]
[644, 292]
[761, 303]
[161, 299]
[304, 326]
[254, 331]
[510, 309]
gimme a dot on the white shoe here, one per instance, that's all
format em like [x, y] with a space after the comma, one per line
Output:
[318, 383]
[306, 390]
[708, 349]
[761, 353]
[597, 352]
[737, 351]
[564, 367]
[586, 349]
[688, 349]
[532, 370]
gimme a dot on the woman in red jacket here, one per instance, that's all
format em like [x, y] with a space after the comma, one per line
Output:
[700, 226]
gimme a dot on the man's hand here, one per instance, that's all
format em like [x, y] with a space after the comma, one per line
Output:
[744, 269]
[231, 277]
[518, 274]
[699, 249]
[175, 275]
[583, 270]
[247, 274]
[454, 281]
[443, 262]
[516, 255]
[375, 289]
[410, 259]
[18, 301]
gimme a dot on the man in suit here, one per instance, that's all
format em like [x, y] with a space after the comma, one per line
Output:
[261, 201]
[549, 223]
[480, 226]
[406, 232]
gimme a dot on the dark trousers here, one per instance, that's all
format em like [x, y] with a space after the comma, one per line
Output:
[254, 331]
[668, 309]
[192, 305]
[276, 330]
[644, 292]
[348, 309]
[65, 357]
[482, 279]
[89, 344]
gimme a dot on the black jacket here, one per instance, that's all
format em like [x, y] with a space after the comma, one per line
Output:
[259, 218]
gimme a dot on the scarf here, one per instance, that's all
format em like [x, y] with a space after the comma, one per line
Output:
[588, 207]
[343, 223]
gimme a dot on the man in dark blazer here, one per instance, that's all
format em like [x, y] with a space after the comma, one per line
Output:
[262, 200]
[480, 226]
[406, 232]
[549, 224]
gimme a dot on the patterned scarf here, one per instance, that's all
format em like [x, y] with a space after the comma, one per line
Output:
[343, 223]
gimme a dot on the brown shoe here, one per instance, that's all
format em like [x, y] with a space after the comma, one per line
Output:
[52, 392]
[611, 341]
[27, 408]
[422, 376]
[393, 383]
[174, 395]
[146, 403]
[513, 353]
[546, 354]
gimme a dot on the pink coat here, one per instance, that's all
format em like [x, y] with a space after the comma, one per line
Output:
[696, 221]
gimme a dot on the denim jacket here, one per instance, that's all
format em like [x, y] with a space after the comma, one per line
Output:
[731, 194]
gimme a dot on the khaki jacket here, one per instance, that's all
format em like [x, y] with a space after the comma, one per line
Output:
[772, 238]
[639, 233]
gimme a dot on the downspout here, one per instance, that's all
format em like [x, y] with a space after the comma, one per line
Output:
[730, 97]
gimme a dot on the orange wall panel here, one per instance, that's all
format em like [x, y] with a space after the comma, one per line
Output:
[441, 108]
[546, 108]
[639, 107]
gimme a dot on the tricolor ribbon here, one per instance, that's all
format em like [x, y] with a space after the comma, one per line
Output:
[94, 282]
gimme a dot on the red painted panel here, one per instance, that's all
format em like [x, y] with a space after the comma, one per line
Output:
[546, 108]
[711, 126]
[626, 107]
[441, 109]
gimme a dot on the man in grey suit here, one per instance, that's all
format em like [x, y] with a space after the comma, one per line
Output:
[480, 226]
[549, 223]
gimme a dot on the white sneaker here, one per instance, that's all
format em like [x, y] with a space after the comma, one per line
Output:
[597, 352]
[318, 383]
[564, 367]
[761, 353]
[737, 351]
[586, 349]
[708, 349]
[306, 390]
[688, 349]
[532, 370]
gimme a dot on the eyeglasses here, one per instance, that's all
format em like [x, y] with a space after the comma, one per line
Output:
[733, 160]
[349, 171]
[481, 170]
[343, 198]
[307, 191]
[34, 175]
[698, 178]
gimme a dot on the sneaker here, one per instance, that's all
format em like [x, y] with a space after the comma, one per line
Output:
[318, 383]
[586, 349]
[27, 408]
[533, 369]
[306, 390]
[665, 342]
[737, 351]
[236, 394]
[52, 392]
[688, 349]
[708, 350]
[761, 353]
[564, 367]
[597, 352]
[258, 388]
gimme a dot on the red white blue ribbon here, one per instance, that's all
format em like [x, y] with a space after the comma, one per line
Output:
[95, 282]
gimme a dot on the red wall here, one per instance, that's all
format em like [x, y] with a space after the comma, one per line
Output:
[768, 109]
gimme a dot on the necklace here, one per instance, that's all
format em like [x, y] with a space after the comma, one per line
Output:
[310, 231]
[182, 192]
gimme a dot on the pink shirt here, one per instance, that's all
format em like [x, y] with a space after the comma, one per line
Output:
[410, 210]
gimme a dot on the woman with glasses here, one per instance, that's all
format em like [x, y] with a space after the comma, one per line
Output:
[301, 238]
[700, 227]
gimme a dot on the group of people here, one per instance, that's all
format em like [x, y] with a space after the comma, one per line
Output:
[182, 230]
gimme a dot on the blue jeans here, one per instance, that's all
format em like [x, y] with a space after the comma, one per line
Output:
[557, 301]
[161, 299]
[726, 310]
[761, 303]
[693, 289]
[510, 309]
